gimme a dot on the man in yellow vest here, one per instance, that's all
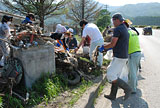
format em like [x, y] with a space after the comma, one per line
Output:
[134, 52]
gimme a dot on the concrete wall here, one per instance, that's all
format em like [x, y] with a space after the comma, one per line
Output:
[36, 61]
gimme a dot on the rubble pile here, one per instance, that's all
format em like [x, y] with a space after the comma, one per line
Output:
[72, 68]
[27, 35]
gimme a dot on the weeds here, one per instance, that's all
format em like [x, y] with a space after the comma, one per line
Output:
[1, 102]
[46, 89]
[13, 102]
[85, 59]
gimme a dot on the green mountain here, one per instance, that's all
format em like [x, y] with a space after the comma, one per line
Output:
[134, 10]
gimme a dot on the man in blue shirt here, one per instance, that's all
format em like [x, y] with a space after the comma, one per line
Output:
[29, 18]
[119, 44]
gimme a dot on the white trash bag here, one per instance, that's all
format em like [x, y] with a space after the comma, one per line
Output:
[124, 74]
[109, 55]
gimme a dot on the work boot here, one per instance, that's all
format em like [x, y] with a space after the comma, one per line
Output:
[113, 92]
[127, 89]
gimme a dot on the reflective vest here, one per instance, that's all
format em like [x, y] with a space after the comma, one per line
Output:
[133, 42]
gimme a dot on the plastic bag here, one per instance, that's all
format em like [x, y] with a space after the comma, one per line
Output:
[124, 74]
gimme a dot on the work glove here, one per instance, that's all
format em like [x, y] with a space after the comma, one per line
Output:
[100, 49]
[67, 49]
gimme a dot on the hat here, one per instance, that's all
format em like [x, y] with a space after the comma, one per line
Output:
[7, 18]
[60, 29]
[118, 16]
[70, 30]
[128, 22]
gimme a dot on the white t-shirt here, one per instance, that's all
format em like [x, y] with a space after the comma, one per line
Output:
[92, 31]
[4, 30]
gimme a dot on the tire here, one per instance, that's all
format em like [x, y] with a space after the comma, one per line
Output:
[14, 68]
[75, 80]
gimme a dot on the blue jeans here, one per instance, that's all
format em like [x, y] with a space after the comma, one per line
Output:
[133, 65]
[99, 42]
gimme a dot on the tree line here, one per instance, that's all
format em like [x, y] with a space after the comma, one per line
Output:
[73, 10]
[146, 20]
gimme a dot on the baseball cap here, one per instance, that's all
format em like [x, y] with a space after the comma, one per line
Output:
[60, 29]
[118, 16]
[70, 30]
[7, 18]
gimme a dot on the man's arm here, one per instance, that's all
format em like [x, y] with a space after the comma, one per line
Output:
[82, 41]
[112, 43]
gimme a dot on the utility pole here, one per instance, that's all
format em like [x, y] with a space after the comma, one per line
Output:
[83, 5]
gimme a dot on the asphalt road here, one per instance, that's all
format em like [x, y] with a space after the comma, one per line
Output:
[148, 93]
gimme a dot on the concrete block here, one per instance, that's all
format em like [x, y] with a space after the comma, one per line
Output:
[36, 61]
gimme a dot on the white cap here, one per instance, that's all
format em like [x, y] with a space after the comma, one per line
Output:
[60, 28]
[70, 30]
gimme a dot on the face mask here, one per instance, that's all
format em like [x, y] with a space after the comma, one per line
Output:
[8, 22]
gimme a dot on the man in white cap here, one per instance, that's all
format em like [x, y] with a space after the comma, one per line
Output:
[71, 41]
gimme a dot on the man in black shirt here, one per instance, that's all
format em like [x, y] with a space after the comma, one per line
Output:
[119, 44]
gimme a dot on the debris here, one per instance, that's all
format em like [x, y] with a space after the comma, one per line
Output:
[22, 98]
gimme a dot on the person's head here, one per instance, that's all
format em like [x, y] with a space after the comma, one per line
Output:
[83, 23]
[127, 22]
[67, 34]
[31, 16]
[117, 19]
[7, 19]
[71, 31]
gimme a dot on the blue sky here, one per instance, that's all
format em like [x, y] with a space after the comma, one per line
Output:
[123, 2]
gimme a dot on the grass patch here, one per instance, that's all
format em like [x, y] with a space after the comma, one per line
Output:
[1, 102]
[84, 59]
[78, 38]
[14, 102]
[48, 87]
[79, 92]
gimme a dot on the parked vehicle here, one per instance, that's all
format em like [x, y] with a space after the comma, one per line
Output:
[147, 30]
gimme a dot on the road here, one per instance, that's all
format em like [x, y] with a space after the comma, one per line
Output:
[148, 95]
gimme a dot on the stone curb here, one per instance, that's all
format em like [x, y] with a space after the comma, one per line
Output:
[87, 99]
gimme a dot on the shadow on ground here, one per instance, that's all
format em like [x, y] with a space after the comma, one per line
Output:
[134, 101]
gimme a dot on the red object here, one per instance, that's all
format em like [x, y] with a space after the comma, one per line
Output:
[31, 38]
[87, 41]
